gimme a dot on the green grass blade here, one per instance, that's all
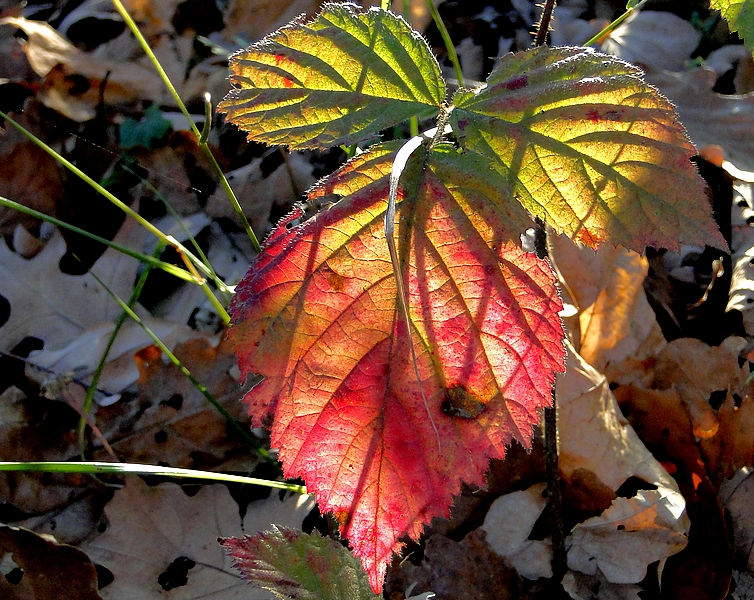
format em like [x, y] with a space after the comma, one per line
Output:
[202, 140]
[144, 258]
[89, 399]
[197, 384]
[169, 240]
[439, 23]
[138, 469]
[630, 8]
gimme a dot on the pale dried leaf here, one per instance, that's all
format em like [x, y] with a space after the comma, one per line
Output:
[47, 304]
[711, 118]
[509, 523]
[151, 527]
[594, 436]
[657, 40]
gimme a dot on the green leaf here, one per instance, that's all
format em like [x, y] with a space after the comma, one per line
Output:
[588, 147]
[291, 564]
[740, 17]
[144, 132]
[334, 80]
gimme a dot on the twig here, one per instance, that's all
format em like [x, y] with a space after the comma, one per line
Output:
[543, 27]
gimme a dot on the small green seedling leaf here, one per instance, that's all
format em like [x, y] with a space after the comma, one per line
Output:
[740, 17]
[150, 128]
[335, 80]
[294, 565]
[589, 148]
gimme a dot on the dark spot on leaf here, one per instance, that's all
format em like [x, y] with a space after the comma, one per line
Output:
[517, 83]
[78, 84]
[593, 115]
[271, 162]
[160, 437]
[176, 575]
[717, 398]
[459, 403]
[621, 527]
[632, 485]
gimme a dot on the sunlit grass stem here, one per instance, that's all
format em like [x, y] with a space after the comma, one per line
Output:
[201, 139]
[197, 384]
[138, 469]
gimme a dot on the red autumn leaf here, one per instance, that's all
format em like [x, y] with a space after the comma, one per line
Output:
[318, 316]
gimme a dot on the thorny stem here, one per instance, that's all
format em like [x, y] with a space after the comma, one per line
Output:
[543, 27]
[554, 491]
[552, 469]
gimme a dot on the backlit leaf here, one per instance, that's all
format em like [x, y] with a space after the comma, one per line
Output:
[292, 564]
[318, 316]
[740, 17]
[334, 80]
[588, 147]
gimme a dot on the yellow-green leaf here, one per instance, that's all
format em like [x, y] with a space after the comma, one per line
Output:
[740, 17]
[586, 145]
[334, 80]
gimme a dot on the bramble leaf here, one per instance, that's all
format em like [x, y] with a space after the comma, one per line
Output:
[318, 316]
[740, 17]
[292, 564]
[334, 80]
[588, 147]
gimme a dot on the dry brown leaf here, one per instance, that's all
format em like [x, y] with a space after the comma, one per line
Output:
[151, 528]
[614, 329]
[171, 421]
[258, 191]
[35, 568]
[702, 375]
[54, 307]
[251, 20]
[53, 57]
[28, 175]
[711, 118]
[451, 569]
[595, 437]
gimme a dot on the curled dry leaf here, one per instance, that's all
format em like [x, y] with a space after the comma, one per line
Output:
[508, 525]
[595, 437]
[615, 329]
[741, 295]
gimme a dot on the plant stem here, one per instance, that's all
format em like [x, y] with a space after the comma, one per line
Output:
[201, 140]
[554, 491]
[138, 469]
[446, 40]
[197, 384]
[543, 27]
[629, 10]
[89, 399]
[144, 258]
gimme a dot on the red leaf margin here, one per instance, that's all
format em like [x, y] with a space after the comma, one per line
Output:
[317, 315]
